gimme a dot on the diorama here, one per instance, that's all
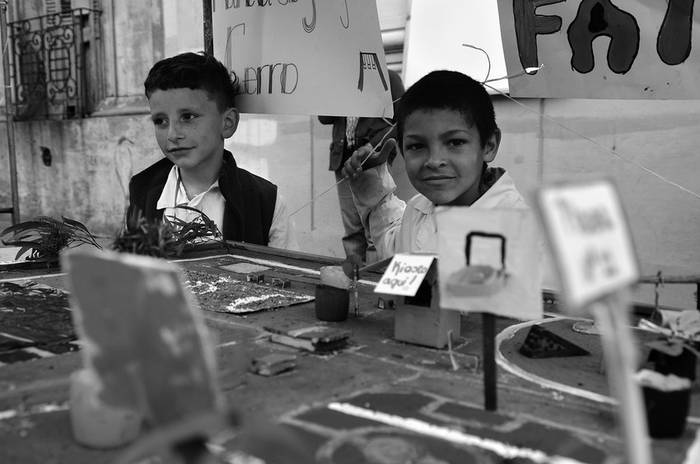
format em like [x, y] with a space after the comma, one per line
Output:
[467, 334]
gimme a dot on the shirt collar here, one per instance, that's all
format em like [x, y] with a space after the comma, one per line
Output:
[173, 189]
[423, 205]
[496, 191]
[502, 184]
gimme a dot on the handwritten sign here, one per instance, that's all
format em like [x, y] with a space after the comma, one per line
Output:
[404, 274]
[304, 56]
[142, 335]
[590, 240]
[601, 49]
[489, 261]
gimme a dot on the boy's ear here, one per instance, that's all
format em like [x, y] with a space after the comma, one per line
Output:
[231, 119]
[491, 146]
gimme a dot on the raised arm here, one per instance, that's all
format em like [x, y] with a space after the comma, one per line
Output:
[373, 189]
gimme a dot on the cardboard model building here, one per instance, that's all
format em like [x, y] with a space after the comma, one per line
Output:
[418, 318]
[490, 261]
[145, 347]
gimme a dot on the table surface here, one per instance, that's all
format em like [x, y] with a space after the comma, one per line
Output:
[35, 424]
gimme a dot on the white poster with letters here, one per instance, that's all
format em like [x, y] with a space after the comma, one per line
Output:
[304, 56]
[641, 49]
[458, 35]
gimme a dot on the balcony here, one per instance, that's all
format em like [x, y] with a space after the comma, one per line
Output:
[56, 65]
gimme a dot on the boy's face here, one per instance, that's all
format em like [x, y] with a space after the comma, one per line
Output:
[189, 127]
[444, 156]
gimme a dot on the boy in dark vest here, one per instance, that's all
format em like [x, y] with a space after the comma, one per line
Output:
[192, 103]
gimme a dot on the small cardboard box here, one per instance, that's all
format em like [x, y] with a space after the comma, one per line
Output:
[420, 320]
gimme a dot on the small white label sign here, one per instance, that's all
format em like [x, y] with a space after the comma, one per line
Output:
[404, 274]
[590, 240]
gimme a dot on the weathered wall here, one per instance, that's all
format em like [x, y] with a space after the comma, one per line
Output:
[89, 157]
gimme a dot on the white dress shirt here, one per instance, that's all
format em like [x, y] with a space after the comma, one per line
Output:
[212, 203]
[399, 227]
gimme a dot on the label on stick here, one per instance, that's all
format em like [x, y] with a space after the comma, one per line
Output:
[404, 274]
[590, 240]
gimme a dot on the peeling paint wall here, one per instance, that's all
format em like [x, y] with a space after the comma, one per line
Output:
[91, 162]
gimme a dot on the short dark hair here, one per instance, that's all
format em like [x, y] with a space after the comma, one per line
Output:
[450, 90]
[193, 71]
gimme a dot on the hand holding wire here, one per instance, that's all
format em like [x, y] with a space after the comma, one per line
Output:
[367, 157]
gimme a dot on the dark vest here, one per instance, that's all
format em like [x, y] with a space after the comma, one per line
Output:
[250, 199]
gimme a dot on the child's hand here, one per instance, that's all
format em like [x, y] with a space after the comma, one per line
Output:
[362, 160]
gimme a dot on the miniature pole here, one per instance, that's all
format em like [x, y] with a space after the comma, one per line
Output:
[488, 332]
[208, 27]
[9, 117]
[619, 349]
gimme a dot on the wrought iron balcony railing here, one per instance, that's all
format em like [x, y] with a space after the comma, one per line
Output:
[56, 64]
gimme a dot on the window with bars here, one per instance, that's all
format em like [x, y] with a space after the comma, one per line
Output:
[56, 63]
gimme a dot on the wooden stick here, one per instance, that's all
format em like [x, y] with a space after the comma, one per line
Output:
[620, 354]
[672, 279]
[279, 252]
[488, 332]
[208, 28]
[377, 265]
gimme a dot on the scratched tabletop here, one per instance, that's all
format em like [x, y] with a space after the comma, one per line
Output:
[376, 400]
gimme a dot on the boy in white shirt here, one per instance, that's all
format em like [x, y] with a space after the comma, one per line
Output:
[447, 133]
[192, 102]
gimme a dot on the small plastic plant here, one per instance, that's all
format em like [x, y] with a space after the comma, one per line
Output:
[44, 237]
[165, 238]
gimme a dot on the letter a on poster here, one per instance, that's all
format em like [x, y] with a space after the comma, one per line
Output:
[304, 56]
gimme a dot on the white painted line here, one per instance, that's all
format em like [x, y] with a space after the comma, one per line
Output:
[15, 337]
[266, 262]
[37, 409]
[509, 332]
[39, 352]
[246, 258]
[455, 436]
[8, 414]
[254, 260]
[224, 345]
[42, 276]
